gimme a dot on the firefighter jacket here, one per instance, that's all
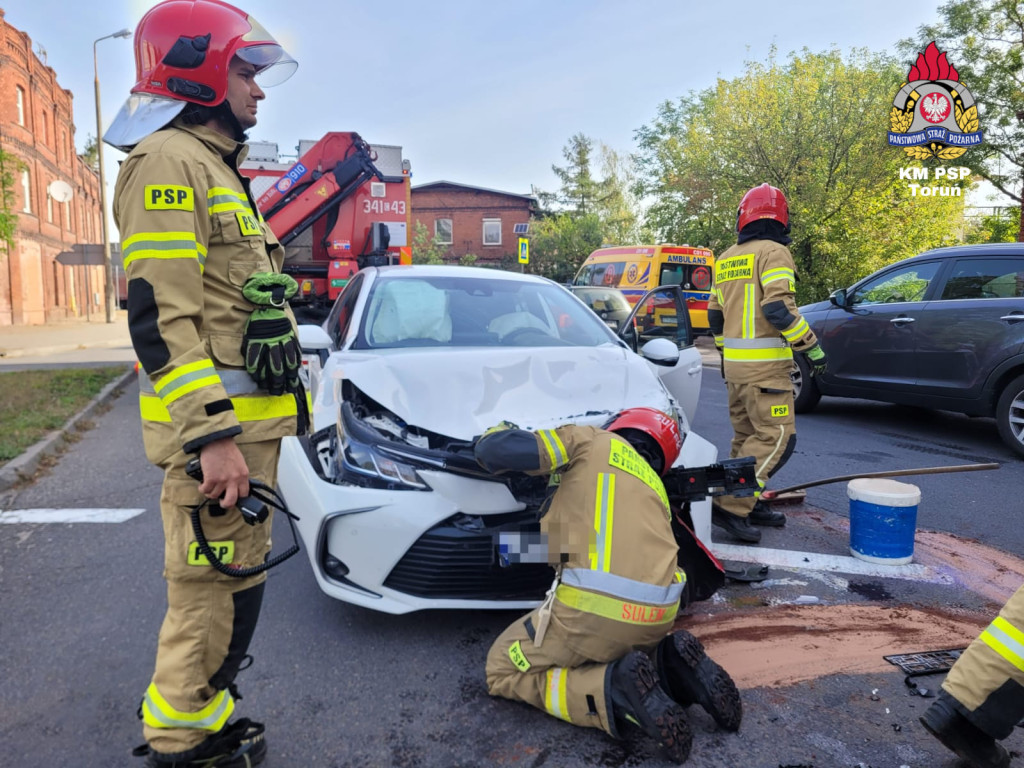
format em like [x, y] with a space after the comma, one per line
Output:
[607, 527]
[752, 312]
[191, 236]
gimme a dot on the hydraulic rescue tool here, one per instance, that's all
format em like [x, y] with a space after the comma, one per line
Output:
[254, 509]
[772, 495]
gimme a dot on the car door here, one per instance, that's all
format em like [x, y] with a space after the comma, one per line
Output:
[662, 314]
[870, 338]
[975, 322]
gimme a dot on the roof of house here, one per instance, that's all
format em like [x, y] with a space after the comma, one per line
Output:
[470, 187]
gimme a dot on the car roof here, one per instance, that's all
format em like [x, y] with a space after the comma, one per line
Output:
[979, 249]
[446, 270]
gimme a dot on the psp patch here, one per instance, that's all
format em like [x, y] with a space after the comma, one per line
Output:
[224, 550]
[515, 652]
[778, 411]
[169, 197]
[248, 224]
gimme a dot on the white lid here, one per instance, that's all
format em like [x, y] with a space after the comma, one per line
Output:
[879, 490]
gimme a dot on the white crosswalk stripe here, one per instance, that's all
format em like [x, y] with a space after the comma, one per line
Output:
[25, 516]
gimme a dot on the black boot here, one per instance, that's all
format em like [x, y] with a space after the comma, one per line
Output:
[238, 745]
[763, 514]
[739, 527]
[960, 735]
[689, 676]
[636, 697]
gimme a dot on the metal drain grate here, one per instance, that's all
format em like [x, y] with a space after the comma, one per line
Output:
[926, 662]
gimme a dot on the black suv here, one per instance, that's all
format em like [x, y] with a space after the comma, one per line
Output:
[944, 329]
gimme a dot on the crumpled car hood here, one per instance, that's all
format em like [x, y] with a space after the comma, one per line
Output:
[460, 393]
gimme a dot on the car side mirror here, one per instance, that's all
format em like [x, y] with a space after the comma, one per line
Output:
[313, 339]
[660, 352]
[838, 298]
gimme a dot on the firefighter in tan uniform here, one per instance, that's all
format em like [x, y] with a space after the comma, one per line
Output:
[753, 316]
[216, 342]
[580, 655]
[983, 695]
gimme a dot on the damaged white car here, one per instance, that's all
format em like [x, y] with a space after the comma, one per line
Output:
[415, 362]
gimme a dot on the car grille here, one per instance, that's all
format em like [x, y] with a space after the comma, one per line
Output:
[456, 560]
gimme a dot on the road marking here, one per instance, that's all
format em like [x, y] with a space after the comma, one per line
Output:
[68, 515]
[783, 558]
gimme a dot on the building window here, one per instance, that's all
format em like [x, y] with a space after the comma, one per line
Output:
[443, 231]
[49, 208]
[492, 231]
[67, 216]
[21, 105]
[26, 190]
[46, 129]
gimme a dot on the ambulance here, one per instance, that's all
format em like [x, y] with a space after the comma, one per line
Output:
[634, 270]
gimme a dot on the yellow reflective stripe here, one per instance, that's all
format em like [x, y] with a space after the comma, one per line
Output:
[604, 518]
[615, 609]
[163, 245]
[185, 379]
[222, 199]
[1006, 640]
[555, 701]
[555, 447]
[779, 273]
[748, 311]
[757, 355]
[797, 330]
[157, 713]
[247, 408]
[624, 457]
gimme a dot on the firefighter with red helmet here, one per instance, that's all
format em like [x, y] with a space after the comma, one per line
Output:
[219, 358]
[582, 655]
[753, 316]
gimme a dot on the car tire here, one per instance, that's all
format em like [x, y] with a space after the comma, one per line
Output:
[1010, 415]
[805, 389]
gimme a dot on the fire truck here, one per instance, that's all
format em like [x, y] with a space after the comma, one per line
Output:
[343, 205]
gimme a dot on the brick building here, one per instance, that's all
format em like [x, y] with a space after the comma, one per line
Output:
[472, 220]
[37, 127]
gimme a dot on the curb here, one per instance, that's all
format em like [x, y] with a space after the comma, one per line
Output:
[23, 467]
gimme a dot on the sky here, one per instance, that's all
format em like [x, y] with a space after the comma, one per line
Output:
[480, 93]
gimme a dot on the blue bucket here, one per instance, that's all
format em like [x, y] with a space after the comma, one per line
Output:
[883, 520]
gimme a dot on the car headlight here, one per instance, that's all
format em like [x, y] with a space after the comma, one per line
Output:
[363, 463]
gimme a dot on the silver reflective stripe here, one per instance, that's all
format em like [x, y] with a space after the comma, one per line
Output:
[619, 586]
[754, 343]
[164, 720]
[235, 382]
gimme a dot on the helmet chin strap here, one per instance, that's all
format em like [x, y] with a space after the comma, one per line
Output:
[224, 113]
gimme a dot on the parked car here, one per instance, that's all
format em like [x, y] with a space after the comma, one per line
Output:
[944, 330]
[411, 365]
[610, 304]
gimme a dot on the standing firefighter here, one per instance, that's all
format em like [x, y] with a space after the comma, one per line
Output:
[753, 317]
[211, 328]
[580, 656]
[982, 698]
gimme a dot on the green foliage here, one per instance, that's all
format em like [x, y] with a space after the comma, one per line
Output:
[560, 243]
[9, 167]
[815, 126]
[995, 228]
[984, 39]
[468, 259]
[424, 249]
[91, 155]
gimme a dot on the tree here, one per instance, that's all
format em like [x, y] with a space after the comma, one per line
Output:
[814, 126]
[91, 155]
[985, 41]
[998, 227]
[425, 249]
[559, 243]
[9, 166]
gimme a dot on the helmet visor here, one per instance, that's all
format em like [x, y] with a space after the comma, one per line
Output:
[272, 62]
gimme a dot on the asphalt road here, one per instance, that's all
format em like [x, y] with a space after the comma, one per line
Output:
[81, 606]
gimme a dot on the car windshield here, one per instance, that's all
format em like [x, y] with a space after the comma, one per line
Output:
[443, 311]
[603, 299]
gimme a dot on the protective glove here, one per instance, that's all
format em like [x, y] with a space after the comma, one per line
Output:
[498, 428]
[817, 360]
[272, 354]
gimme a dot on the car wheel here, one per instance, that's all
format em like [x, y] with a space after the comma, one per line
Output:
[1010, 415]
[805, 389]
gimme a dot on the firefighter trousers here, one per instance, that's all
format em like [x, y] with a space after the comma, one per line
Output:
[764, 426]
[988, 680]
[210, 616]
[567, 676]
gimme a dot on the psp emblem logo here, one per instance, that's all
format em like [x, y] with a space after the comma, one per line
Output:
[933, 116]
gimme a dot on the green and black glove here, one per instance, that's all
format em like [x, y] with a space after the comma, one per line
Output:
[272, 354]
[817, 360]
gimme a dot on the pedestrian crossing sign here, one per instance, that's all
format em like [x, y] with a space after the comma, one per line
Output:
[524, 251]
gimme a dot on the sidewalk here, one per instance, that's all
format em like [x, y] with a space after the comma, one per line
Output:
[54, 338]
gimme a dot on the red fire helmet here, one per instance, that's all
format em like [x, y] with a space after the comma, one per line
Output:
[183, 49]
[660, 427]
[762, 202]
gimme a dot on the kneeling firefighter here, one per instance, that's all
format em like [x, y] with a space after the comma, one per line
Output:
[582, 655]
[209, 322]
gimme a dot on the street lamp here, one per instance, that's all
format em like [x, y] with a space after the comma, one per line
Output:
[110, 296]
